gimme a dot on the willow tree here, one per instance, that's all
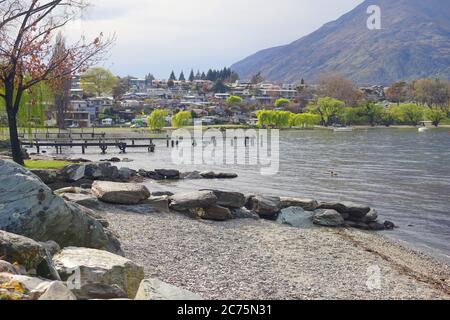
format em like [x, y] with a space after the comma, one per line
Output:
[27, 40]
[182, 119]
[157, 119]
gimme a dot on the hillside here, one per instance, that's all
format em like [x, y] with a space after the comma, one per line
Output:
[414, 42]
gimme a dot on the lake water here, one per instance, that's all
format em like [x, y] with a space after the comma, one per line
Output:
[402, 173]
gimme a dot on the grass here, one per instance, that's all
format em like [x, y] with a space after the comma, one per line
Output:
[45, 164]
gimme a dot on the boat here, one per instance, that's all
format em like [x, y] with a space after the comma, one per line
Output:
[343, 129]
[423, 129]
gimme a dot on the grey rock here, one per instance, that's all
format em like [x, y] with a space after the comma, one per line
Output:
[125, 174]
[375, 226]
[88, 201]
[215, 213]
[154, 289]
[49, 176]
[6, 267]
[229, 199]
[352, 209]
[225, 175]
[57, 291]
[195, 175]
[388, 225]
[34, 287]
[154, 176]
[51, 247]
[328, 218]
[159, 204]
[244, 213]
[296, 217]
[168, 174]
[208, 174]
[96, 274]
[26, 252]
[162, 193]
[306, 204]
[120, 193]
[266, 207]
[357, 225]
[29, 208]
[192, 200]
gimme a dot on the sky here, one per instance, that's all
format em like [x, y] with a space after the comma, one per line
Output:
[158, 36]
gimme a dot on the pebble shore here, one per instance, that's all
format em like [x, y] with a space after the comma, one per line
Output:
[259, 259]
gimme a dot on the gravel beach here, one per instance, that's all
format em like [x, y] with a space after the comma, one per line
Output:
[250, 259]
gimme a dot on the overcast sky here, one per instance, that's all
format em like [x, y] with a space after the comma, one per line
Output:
[156, 36]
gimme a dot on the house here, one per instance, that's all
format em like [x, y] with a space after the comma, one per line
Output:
[79, 114]
[222, 96]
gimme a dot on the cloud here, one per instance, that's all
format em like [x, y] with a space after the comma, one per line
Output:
[160, 35]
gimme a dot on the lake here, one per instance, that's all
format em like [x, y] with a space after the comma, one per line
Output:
[402, 173]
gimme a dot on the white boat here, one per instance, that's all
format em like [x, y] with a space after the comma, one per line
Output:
[343, 129]
[423, 129]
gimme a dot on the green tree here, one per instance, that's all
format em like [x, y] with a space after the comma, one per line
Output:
[304, 120]
[435, 115]
[273, 118]
[191, 76]
[282, 103]
[172, 76]
[372, 112]
[182, 77]
[98, 81]
[234, 101]
[408, 113]
[182, 119]
[219, 87]
[328, 108]
[157, 119]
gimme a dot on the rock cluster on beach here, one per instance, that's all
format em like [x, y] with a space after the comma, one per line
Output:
[84, 174]
[53, 249]
[54, 245]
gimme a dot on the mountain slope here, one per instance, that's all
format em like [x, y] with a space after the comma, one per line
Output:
[414, 42]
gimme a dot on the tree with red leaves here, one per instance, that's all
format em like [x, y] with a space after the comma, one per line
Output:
[27, 51]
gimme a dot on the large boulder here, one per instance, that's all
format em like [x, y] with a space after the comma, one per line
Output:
[92, 171]
[328, 218]
[154, 289]
[120, 193]
[29, 288]
[306, 204]
[227, 199]
[25, 252]
[296, 217]
[266, 207]
[215, 213]
[347, 209]
[96, 274]
[29, 208]
[192, 200]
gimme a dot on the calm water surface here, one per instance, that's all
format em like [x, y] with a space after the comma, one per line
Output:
[404, 174]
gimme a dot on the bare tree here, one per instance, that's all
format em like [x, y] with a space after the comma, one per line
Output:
[61, 83]
[338, 87]
[27, 32]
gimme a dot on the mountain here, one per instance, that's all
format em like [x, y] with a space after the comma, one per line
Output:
[414, 42]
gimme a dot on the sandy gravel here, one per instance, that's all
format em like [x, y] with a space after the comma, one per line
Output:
[248, 259]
